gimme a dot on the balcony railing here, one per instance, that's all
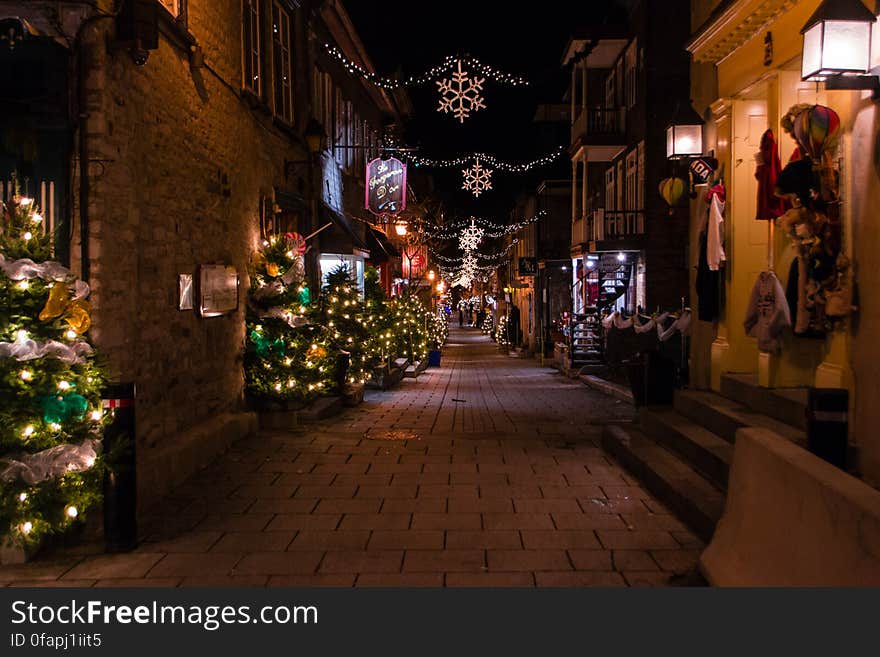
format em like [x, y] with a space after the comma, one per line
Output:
[600, 123]
[615, 224]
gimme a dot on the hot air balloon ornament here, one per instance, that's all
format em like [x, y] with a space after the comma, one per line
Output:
[672, 189]
[817, 132]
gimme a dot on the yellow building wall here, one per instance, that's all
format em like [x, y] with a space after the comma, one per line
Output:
[751, 94]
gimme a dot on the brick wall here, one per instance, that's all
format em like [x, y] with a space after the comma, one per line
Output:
[162, 137]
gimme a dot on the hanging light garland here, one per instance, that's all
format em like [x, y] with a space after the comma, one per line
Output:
[501, 165]
[449, 64]
[490, 228]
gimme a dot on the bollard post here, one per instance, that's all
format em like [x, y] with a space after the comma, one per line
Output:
[120, 481]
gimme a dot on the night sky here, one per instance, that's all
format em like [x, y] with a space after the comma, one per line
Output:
[411, 37]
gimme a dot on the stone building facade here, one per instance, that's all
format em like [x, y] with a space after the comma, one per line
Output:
[188, 159]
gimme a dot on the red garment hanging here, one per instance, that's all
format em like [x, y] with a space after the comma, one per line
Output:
[770, 206]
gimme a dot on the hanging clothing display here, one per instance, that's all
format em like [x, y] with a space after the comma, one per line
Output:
[715, 197]
[767, 314]
[770, 206]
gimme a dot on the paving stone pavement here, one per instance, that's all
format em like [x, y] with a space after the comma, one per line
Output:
[486, 471]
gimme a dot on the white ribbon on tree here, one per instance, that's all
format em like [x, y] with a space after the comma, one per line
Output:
[25, 268]
[51, 463]
[26, 349]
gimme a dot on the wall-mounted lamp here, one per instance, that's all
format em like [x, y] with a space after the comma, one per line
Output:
[400, 229]
[431, 275]
[315, 143]
[684, 135]
[837, 46]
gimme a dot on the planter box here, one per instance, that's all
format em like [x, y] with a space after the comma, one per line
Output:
[352, 395]
[321, 409]
[17, 553]
[278, 419]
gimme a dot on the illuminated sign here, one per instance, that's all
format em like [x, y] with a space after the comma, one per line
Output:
[386, 187]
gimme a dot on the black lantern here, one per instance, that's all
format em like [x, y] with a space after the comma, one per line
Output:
[314, 136]
[837, 45]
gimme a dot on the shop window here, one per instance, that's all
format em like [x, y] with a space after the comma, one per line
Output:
[281, 58]
[332, 261]
[251, 47]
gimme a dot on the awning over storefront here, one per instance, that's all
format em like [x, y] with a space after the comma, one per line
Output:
[381, 249]
[341, 237]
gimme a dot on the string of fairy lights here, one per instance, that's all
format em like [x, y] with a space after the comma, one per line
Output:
[447, 65]
[491, 160]
[490, 228]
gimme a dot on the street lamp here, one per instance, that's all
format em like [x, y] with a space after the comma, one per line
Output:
[684, 136]
[431, 275]
[837, 46]
[400, 229]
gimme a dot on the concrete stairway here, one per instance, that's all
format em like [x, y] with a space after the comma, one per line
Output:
[682, 453]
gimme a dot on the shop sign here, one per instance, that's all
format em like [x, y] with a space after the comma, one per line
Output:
[702, 169]
[528, 266]
[386, 187]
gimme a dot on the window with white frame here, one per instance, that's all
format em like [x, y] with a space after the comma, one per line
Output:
[251, 46]
[632, 176]
[641, 176]
[630, 76]
[609, 189]
[282, 53]
[609, 90]
[620, 180]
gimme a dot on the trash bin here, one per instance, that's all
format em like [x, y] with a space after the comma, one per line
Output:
[827, 424]
[120, 476]
[434, 358]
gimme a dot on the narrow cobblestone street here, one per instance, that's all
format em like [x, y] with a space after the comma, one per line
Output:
[484, 472]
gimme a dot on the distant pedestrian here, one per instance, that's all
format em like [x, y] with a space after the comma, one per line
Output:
[460, 318]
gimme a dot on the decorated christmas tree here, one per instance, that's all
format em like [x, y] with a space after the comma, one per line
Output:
[51, 417]
[500, 334]
[488, 324]
[438, 329]
[288, 359]
[408, 328]
[349, 322]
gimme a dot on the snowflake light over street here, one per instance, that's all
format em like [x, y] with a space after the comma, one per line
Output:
[461, 94]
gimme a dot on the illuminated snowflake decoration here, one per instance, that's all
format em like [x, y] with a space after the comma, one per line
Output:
[477, 179]
[461, 94]
[470, 238]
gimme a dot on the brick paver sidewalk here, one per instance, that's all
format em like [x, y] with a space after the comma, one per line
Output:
[484, 472]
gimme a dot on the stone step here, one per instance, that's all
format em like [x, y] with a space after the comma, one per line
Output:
[787, 405]
[708, 453]
[723, 416]
[689, 495]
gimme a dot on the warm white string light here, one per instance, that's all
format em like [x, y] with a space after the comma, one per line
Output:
[502, 165]
[490, 228]
[450, 63]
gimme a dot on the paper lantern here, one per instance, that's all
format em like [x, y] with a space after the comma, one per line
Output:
[672, 189]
